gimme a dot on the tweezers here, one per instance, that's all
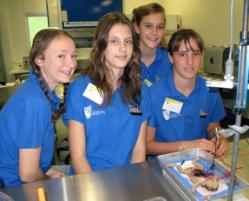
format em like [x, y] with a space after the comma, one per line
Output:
[215, 143]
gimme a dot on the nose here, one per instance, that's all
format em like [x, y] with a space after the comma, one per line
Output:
[190, 59]
[122, 46]
[154, 30]
[72, 62]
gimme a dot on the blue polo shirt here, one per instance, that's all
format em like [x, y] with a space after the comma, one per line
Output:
[178, 118]
[158, 69]
[26, 123]
[111, 130]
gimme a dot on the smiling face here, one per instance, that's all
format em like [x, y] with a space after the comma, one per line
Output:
[186, 60]
[58, 61]
[119, 48]
[151, 30]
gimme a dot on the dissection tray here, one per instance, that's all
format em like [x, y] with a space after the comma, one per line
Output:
[175, 165]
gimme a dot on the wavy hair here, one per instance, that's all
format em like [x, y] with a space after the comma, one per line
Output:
[130, 82]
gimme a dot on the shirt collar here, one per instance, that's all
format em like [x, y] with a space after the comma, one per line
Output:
[200, 84]
[55, 100]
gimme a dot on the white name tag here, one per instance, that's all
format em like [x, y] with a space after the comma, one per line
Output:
[93, 94]
[172, 105]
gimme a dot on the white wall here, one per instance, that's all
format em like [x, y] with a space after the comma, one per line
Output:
[211, 18]
[13, 26]
[208, 17]
[5, 36]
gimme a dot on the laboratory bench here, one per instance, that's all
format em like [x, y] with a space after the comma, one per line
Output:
[142, 181]
[138, 182]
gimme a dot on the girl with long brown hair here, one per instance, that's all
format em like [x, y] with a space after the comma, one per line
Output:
[106, 108]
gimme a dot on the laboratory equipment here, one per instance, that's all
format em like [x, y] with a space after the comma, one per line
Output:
[242, 87]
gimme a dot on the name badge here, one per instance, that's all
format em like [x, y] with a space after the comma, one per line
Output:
[172, 105]
[93, 94]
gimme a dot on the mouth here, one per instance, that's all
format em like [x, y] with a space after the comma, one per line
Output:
[190, 70]
[67, 73]
[122, 57]
[153, 39]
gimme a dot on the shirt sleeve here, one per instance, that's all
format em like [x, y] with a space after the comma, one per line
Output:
[35, 123]
[74, 104]
[217, 112]
[151, 117]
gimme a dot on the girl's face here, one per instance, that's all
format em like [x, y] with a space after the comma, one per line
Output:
[151, 30]
[186, 60]
[58, 61]
[119, 48]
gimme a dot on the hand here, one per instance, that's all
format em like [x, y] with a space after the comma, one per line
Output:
[222, 146]
[204, 144]
[53, 174]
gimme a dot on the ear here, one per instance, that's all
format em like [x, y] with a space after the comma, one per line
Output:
[39, 60]
[136, 28]
[170, 58]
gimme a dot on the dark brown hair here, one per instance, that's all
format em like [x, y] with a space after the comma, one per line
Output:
[184, 35]
[140, 12]
[98, 72]
[40, 42]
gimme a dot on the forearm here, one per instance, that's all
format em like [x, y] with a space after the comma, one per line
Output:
[81, 165]
[138, 156]
[157, 148]
[31, 176]
[139, 151]
[29, 165]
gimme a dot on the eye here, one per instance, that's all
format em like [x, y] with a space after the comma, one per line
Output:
[74, 56]
[61, 56]
[128, 42]
[113, 41]
[160, 27]
[197, 54]
[148, 26]
[182, 54]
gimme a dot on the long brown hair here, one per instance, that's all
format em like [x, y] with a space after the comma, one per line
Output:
[98, 72]
[40, 42]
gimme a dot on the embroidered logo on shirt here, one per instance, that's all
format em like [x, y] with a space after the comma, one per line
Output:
[166, 114]
[203, 114]
[169, 115]
[156, 78]
[134, 110]
[89, 112]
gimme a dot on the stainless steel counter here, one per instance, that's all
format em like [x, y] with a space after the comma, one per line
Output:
[136, 182]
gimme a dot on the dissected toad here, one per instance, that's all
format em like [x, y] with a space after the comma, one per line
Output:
[197, 175]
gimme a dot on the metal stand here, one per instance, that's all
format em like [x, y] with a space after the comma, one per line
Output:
[241, 95]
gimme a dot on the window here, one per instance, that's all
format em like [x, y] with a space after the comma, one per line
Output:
[35, 24]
